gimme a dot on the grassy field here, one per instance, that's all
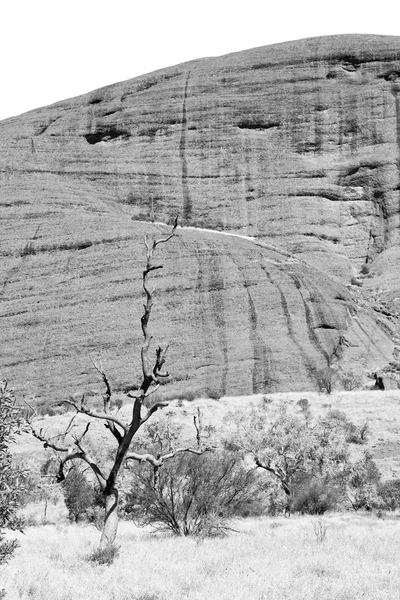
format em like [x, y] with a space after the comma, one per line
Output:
[263, 559]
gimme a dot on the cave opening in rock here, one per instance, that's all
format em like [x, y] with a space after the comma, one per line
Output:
[106, 135]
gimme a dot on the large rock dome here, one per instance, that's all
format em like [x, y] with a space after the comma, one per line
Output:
[283, 164]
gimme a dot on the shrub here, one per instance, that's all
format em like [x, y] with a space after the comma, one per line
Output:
[11, 486]
[362, 483]
[365, 269]
[324, 380]
[315, 498]
[389, 494]
[351, 380]
[79, 495]
[320, 528]
[354, 434]
[105, 556]
[193, 495]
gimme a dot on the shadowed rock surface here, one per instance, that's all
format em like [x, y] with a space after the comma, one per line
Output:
[295, 147]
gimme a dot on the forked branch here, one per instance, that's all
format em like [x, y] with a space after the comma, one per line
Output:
[96, 415]
[151, 375]
[111, 422]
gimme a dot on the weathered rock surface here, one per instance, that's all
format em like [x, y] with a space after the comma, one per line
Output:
[296, 145]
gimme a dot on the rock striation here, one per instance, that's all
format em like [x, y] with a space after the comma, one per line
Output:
[283, 162]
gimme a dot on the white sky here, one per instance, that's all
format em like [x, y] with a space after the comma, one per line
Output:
[53, 50]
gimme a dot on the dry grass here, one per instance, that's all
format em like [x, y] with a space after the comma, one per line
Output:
[270, 559]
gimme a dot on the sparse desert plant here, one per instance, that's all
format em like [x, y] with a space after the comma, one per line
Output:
[304, 406]
[193, 494]
[105, 556]
[78, 494]
[351, 380]
[362, 483]
[389, 494]
[40, 487]
[355, 434]
[290, 447]
[320, 528]
[315, 498]
[73, 446]
[324, 380]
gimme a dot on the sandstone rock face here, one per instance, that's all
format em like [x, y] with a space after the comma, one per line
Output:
[289, 154]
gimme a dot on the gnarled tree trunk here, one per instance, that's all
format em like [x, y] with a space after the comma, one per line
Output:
[110, 525]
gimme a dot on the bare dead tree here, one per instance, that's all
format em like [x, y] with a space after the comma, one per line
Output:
[152, 376]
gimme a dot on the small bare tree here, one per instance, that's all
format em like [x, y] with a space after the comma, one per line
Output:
[152, 376]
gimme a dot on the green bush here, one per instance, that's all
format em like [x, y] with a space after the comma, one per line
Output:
[79, 495]
[11, 486]
[355, 434]
[192, 494]
[389, 494]
[105, 556]
[315, 498]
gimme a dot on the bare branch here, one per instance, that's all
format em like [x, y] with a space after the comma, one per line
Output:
[150, 458]
[47, 441]
[150, 375]
[190, 450]
[95, 415]
[71, 425]
[198, 426]
[107, 396]
[111, 425]
[166, 239]
[158, 461]
[85, 456]
[29, 417]
[152, 390]
[79, 440]
[152, 410]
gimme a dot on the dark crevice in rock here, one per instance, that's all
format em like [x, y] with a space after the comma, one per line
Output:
[210, 298]
[395, 92]
[259, 125]
[111, 112]
[258, 66]
[263, 367]
[341, 297]
[216, 283]
[261, 375]
[369, 166]
[314, 340]
[325, 326]
[107, 135]
[391, 76]
[187, 203]
[351, 65]
[308, 363]
[95, 101]
[323, 236]
[327, 194]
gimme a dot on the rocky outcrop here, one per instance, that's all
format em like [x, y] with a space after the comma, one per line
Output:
[296, 145]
